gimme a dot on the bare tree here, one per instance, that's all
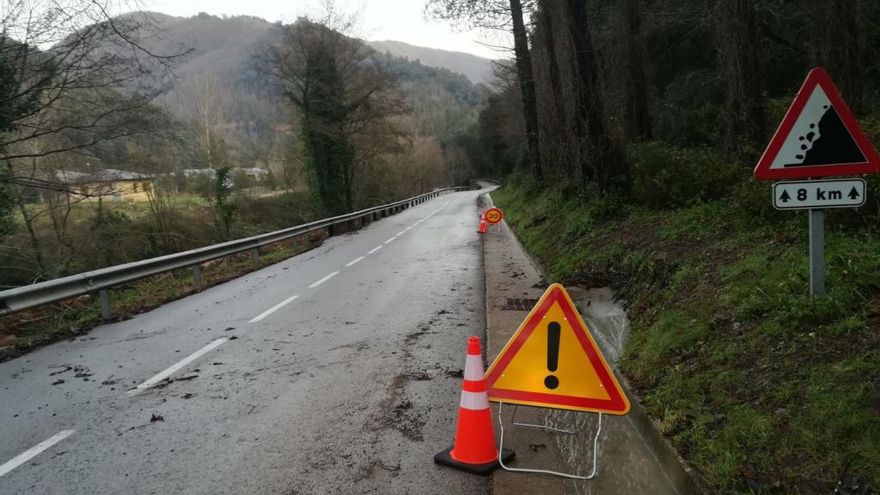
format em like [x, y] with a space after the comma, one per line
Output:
[208, 118]
[72, 75]
[71, 67]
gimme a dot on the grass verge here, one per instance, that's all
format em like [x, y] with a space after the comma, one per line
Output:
[760, 388]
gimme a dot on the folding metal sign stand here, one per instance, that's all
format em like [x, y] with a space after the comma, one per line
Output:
[552, 429]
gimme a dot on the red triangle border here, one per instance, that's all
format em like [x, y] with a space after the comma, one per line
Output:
[616, 402]
[817, 77]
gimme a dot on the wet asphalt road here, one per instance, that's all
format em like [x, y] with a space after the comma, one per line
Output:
[351, 387]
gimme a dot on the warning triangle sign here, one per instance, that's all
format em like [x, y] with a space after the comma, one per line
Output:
[552, 361]
[818, 137]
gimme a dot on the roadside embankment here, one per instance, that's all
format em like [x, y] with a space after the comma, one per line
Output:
[634, 458]
[758, 387]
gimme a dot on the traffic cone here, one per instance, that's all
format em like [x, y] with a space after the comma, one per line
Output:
[482, 229]
[474, 450]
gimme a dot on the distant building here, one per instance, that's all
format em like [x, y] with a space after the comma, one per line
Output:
[256, 173]
[112, 184]
[198, 172]
[259, 174]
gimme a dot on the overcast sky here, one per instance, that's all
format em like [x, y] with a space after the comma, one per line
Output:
[400, 20]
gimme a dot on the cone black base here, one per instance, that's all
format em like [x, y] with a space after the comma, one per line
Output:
[443, 458]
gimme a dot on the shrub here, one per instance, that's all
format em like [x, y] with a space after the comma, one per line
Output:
[668, 176]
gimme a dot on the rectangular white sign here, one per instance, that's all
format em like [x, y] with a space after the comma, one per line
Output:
[833, 193]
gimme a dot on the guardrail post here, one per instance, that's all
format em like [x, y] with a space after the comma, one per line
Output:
[255, 254]
[104, 297]
[197, 276]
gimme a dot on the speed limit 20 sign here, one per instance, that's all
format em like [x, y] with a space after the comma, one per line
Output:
[494, 215]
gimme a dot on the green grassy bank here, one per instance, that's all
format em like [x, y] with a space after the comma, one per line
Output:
[761, 389]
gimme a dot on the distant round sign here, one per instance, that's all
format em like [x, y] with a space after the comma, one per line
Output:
[494, 215]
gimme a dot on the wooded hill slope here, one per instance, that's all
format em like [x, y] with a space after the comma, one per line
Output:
[477, 69]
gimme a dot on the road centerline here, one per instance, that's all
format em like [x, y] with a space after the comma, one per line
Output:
[176, 367]
[389, 240]
[34, 451]
[274, 309]
[319, 282]
[371, 251]
[353, 262]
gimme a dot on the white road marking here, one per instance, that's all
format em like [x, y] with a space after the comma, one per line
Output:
[274, 309]
[34, 451]
[389, 240]
[352, 262]
[319, 282]
[180, 364]
[408, 228]
[400, 233]
[371, 251]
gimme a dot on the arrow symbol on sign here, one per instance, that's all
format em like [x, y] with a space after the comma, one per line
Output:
[853, 194]
[785, 197]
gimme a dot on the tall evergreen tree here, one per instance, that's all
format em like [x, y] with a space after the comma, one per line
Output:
[738, 46]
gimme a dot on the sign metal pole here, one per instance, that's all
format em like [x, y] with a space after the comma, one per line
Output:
[817, 253]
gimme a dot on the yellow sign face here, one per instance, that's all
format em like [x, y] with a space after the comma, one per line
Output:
[494, 215]
[553, 361]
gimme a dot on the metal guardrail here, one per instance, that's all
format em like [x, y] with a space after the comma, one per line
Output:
[30, 296]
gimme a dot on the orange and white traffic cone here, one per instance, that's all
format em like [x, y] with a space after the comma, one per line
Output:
[474, 450]
[482, 229]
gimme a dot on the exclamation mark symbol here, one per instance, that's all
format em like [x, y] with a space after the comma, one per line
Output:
[553, 333]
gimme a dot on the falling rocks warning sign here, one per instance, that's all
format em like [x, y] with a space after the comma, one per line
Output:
[818, 137]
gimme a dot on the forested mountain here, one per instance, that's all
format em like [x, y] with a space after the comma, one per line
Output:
[221, 87]
[477, 69]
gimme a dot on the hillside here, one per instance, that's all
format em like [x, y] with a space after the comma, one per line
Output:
[219, 80]
[477, 69]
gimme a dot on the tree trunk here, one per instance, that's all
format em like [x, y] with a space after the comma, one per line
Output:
[545, 31]
[637, 124]
[608, 168]
[838, 45]
[29, 225]
[737, 42]
[527, 87]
